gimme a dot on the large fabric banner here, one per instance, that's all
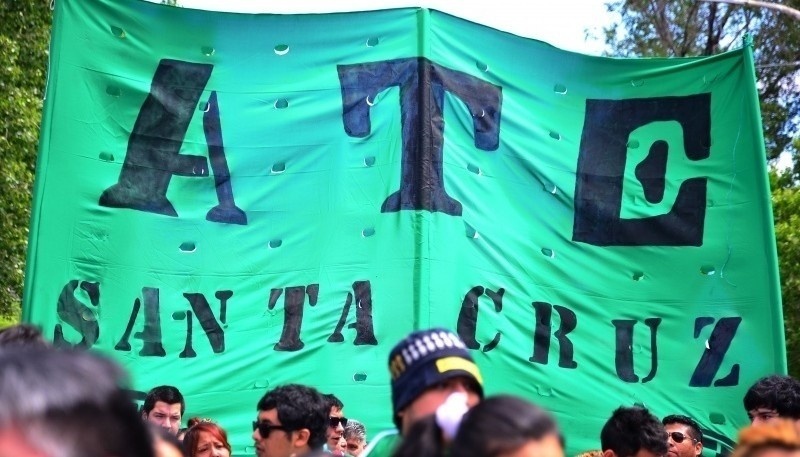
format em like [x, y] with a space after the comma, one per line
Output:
[230, 202]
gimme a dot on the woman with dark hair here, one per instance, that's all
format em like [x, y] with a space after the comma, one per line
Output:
[501, 426]
[206, 439]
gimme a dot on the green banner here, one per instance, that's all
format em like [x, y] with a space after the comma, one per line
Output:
[229, 202]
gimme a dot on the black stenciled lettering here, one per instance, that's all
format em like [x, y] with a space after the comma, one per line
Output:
[365, 333]
[624, 352]
[541, 335]
[422, 87]
[226, 211]
[153, 154]
[151, 335]
[293, 304]
[718, 344]
[467, 325]
[208, 322]
[601, 169]
[77, 315]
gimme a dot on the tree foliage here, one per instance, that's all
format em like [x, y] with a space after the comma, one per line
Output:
[681, 28]
[24, 37]
[786, 212]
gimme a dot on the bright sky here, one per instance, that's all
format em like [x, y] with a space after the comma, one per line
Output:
[559, 22]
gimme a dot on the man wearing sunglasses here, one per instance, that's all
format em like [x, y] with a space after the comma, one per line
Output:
[773, 397]
[684, 437]
[336, 422]
[292, 421]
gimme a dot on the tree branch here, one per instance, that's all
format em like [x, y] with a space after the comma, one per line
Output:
[782, 8]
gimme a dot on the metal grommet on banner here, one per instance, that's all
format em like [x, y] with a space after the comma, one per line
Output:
[52, 5]
[278, 168]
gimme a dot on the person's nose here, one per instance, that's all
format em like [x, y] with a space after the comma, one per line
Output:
[339, 427]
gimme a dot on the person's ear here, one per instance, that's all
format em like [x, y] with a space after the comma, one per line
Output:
[301, 437]
[609, 453]
[698, 448]
[144, 415]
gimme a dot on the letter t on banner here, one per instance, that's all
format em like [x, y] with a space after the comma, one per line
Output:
[422, 87]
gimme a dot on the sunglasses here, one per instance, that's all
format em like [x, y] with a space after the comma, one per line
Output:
[334, 422]
[678, 437]
[264, 428]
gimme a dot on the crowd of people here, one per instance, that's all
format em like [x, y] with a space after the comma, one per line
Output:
[71, 403]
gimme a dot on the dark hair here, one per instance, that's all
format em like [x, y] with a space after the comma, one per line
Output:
[70, 403]
[333, 402]
[502, 424]
[168, 394]
[495, 426]
[192, 437]
[424, 439]
[781, 393]
[694, 427]
[22, 335]
[299, 407]
[629, 430]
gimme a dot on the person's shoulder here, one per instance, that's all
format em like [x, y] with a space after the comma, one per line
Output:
[383, 444]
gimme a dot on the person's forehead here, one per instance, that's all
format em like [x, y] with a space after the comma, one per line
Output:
[762, 410]
[336, 412]
[167, 407]
[676, 427]
[270, 415]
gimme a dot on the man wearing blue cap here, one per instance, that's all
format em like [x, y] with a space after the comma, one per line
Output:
[426, 367]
